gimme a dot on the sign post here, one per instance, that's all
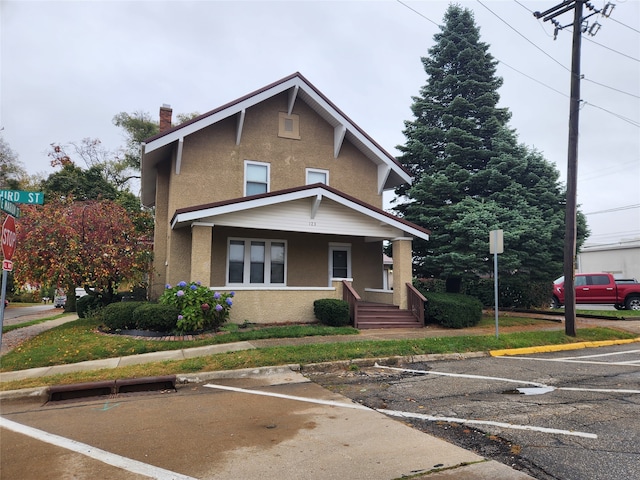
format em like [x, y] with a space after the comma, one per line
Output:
[8, 248]
[496, 246]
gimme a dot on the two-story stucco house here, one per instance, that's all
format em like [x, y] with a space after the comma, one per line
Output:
[276, 196]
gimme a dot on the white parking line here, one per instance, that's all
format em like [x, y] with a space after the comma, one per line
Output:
[396, 413]
[488, 422]
[103, 456]
[610, 354]
[633, 363]
[463, 375]
[540, 387]
[332, 403]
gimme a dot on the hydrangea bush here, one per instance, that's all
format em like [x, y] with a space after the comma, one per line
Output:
[200, 307]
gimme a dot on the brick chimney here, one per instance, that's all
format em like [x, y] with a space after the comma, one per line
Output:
[165, 117]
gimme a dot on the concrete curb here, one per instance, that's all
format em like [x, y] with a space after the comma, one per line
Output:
[560, 348]
[202, 377]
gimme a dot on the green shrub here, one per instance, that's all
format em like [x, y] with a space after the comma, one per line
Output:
[200, 307]
[514, 291]
[453, 310]
[87, 305]
[332, 312]
[119, 316]
[155, 317]
[430, 285]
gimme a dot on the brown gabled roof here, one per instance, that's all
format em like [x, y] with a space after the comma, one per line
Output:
[156, 145]
[264, 89]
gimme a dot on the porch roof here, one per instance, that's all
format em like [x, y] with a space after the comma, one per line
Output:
[316, 208]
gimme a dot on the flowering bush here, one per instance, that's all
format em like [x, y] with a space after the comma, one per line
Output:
[200, 307]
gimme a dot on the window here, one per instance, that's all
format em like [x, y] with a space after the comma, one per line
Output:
[288, 126]
[598, 280]
[339, 261]
[317, 176]
[257, 262]
[256, 177]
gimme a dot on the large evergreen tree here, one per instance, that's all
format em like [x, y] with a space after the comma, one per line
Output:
[471, 175]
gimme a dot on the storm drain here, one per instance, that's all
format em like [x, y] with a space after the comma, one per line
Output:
[111, 387]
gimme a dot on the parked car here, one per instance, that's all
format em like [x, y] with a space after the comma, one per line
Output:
[600, 288]
[59, 301]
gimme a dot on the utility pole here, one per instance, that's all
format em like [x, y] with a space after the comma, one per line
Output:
[570, 235]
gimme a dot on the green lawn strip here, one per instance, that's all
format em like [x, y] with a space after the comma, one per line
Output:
[317, 353]
[78, 341]
[614, 314]
[507, 321]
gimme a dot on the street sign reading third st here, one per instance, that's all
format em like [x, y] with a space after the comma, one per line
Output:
[20, 196]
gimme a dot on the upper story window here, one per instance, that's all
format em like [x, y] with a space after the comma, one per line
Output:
[289, 126]
[256, 177]
[315, 175]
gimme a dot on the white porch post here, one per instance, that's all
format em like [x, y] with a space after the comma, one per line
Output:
[402, 269]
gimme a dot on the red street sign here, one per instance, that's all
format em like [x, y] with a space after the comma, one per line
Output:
[7, 265]
[8, 237]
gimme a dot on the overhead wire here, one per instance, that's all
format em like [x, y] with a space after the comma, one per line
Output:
[621, 117]
[615, 209]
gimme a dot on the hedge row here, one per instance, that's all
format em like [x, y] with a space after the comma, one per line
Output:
[139, 316]
[514, 291]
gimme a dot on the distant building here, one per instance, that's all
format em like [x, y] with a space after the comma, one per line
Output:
[620, 259]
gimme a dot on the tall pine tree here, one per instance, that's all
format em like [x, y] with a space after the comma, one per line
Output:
[471, 175]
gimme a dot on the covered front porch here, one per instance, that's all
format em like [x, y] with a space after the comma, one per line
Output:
[281, 252]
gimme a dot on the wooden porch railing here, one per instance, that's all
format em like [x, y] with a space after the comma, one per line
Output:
[416, 301]
[350, 296]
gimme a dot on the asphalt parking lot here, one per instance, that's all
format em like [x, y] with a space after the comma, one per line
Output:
[569, 415]
[269, 427]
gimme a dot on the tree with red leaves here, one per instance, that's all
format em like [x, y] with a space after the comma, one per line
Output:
[79, 244]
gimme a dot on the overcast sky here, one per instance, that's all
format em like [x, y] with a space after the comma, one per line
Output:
[67, 67]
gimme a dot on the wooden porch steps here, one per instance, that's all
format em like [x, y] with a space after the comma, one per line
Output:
[379, 315]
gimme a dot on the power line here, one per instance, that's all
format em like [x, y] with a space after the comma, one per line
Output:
[627, 26]
[611, 88]
[616, 209]
[509, 25]
[621, 117]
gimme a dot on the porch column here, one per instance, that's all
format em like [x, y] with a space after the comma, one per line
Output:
[402, 269]
[201, 236]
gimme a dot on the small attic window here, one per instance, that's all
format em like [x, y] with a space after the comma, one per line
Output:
[288, 126]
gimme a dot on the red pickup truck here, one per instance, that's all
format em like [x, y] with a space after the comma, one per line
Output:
[601, 288]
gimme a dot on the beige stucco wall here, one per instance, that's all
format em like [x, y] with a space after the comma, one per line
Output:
[212, 167]
[378, 296]
[158, 278]
[278, 306]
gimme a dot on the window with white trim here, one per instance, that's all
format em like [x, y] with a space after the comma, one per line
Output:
[256, 262]
[339, 261]
[256, 177]
[315, 175]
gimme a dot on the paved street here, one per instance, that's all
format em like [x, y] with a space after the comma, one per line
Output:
[567, 415]
[274, 427]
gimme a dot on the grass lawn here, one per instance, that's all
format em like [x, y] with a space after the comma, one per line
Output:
[78, 341]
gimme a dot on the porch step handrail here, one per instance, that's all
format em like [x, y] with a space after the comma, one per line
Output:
[415, 303]
[350, 296]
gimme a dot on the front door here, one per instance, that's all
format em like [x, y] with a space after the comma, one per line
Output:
[339, 262]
